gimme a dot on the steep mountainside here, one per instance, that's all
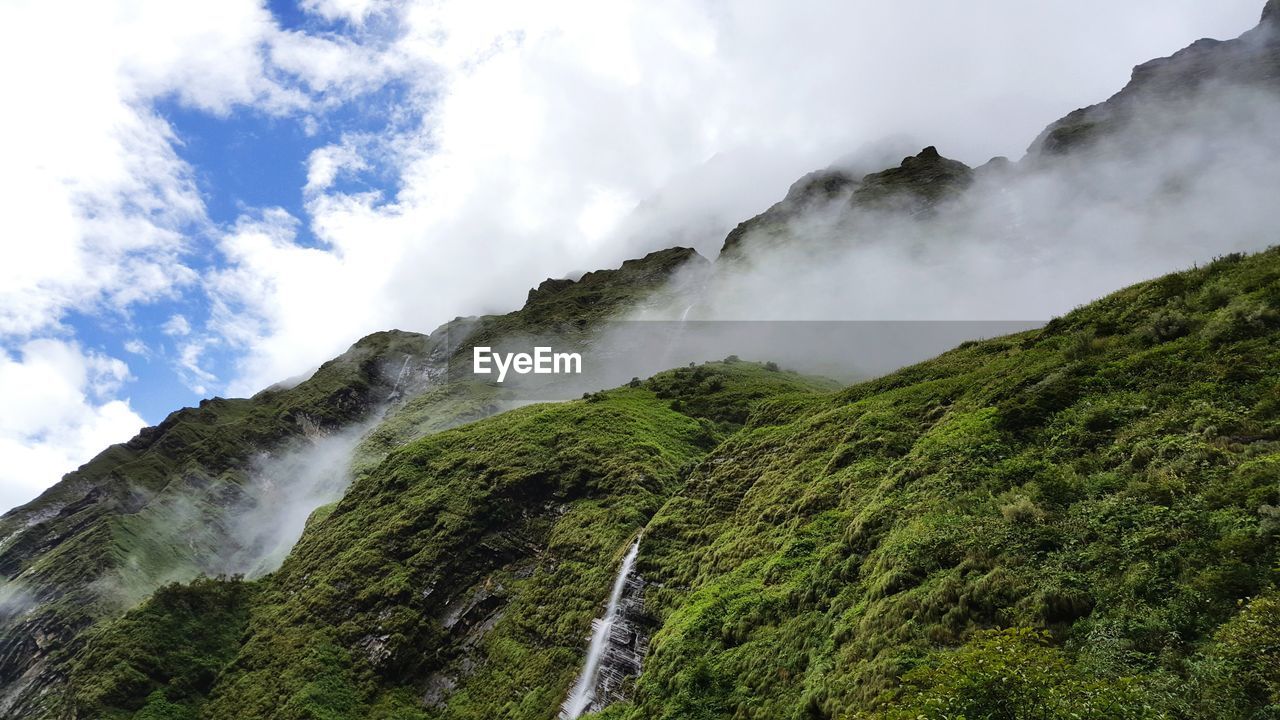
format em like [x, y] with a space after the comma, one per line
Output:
[156, 508]
[215, 489]
[917, 185]
[1112, 479]
[1075, 522]
[1159, 89]
[466, 568]
[1104, 489]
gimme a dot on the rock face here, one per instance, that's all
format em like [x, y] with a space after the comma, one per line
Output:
[599, 287]
[917, 185]
[628, 643]
[155, 509]
[618, 646]
[1156, 87]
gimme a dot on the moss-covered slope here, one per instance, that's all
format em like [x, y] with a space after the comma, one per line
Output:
[465, 569]
[1111, 479]
[1075, 522]
[154, 509]
[165, 505]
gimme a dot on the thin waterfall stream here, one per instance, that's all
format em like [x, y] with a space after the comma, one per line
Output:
[610, 632]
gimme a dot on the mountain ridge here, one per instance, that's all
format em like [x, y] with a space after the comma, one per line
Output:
[55, 551]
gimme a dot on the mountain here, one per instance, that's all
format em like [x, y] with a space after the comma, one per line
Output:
[1075, 521]
[917, 185]
[225, 488]
[1103, 489]
[1159, 89]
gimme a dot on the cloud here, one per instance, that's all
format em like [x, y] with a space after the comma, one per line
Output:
[1187, 182]
[102, 215]
[327, 163]
[58, 412]
[100, 207]
[137, 347]
[521, 141]
[176, 326]
[571, 135]
[355, 11]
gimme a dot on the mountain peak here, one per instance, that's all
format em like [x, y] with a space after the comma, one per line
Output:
[634, 277]
[1251, 60]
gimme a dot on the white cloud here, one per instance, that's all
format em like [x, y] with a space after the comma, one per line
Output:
[543, 124]
[57, 413]
[355, 11]
[327, 163]
[101, 213]
[100, 209]
[96, 198]
[525, 135]
[177, 326]
[137, 347]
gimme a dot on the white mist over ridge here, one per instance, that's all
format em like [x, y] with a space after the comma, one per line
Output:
[701, 114]
[284, 490]
[483, 176]
[1025, 242]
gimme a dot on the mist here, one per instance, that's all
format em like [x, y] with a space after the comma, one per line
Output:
[851, 291]
[1026, 242]
[283, 491]
[14, 600]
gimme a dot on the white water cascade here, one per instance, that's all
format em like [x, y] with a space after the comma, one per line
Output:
[583, 695]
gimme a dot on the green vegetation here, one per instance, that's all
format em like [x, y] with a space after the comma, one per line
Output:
[163, 657]
[1108, 480]
[475, 559]
[153, 510]
[1074, 522]
[157, 509]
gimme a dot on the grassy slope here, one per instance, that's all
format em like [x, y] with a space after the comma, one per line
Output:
[152, 510]
[1104, 488]
[479, 555]
[161, 659]
[105, 536]
[1111, 479]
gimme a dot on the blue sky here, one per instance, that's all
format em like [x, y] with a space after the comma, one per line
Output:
[287, 177]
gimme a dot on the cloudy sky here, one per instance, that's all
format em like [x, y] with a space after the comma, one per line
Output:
[202, 198]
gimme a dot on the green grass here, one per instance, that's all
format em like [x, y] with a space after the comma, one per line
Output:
[1074, 522]
[156, 509]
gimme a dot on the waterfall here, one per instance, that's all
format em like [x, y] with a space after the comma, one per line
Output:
[395, 389]
[613, 642]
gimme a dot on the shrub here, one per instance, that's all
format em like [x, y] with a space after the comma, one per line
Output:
[1083, 344]
[1015, 674]
[1022, 511]
[1167, 325]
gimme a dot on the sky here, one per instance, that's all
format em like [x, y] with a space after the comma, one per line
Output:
[204, 198]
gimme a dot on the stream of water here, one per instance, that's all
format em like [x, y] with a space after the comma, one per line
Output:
[584, 690]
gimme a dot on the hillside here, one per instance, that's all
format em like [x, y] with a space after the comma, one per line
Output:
[1102, 491]
[224, 488]
[1078, 521]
